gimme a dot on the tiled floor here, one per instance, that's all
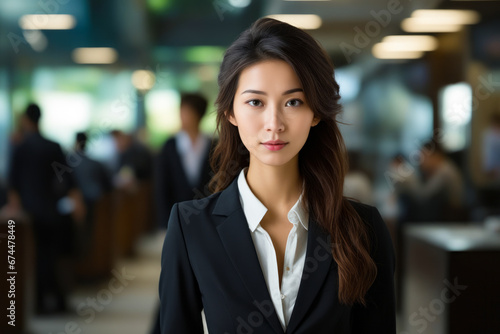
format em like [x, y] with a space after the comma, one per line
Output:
[126, 305]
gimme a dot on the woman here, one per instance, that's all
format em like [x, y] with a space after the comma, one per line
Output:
[277, 248]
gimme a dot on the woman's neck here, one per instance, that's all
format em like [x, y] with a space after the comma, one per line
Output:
[277, 187]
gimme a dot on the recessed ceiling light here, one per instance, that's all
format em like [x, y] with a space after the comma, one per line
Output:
[413, 24]
[240, 3]
[95, 55]
[47, 22]
[448, 16]
[379, 51]
[143, 80]
[302, 21]
[439, 20]
[410, 43]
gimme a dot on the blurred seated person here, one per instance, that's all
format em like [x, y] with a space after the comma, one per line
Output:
[135, 162]
[491, 148]
[92, 178]
[440, 195]
[41, 185]
[403, 180]
[182, 169]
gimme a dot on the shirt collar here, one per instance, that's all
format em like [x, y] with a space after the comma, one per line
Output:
[184, 143]
[254, 210]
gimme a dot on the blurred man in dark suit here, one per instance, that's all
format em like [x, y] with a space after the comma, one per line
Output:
[41, 184]
[182, 168]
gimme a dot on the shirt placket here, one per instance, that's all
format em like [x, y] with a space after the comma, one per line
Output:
[288, 262]
[276, 294]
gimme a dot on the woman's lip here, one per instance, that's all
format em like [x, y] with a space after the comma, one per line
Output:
[274, 142]
[274, 146]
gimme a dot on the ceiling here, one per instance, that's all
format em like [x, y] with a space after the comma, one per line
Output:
[144, 31]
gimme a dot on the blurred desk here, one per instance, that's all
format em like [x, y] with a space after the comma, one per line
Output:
[101, 252]
[452, 273]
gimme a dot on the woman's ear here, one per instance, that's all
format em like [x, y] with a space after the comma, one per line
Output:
[231, 118]
[315, 121]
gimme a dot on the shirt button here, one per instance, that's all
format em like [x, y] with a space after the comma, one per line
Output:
[283, 296]
[287, 268]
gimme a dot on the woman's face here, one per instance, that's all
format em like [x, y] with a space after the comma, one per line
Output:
[271, 113]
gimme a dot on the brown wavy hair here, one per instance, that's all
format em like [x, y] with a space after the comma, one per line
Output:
[323, 158]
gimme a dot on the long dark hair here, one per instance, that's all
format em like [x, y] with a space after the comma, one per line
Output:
[322, 160]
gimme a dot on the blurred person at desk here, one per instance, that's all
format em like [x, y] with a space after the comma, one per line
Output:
[440, 195]
[40, 184]
[182, 168]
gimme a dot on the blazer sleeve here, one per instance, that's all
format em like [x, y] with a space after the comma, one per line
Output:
[180, 297]
[379, 314]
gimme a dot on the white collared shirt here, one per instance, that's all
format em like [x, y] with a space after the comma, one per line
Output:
[192, 154]
[295, 252]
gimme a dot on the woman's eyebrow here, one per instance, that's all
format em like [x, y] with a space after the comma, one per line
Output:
[290, 91]
[253, 91]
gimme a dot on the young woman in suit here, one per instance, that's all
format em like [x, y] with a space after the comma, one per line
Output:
[277, 248]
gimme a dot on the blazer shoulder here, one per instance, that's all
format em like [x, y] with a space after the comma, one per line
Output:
[365, 211]
[169, 144]
[199, 206]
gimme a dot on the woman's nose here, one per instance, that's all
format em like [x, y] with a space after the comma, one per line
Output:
[274, 119]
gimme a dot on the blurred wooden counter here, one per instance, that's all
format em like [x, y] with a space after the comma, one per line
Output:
[452, 274]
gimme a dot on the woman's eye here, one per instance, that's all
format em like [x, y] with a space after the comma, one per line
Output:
[294, 103]
[255, 103]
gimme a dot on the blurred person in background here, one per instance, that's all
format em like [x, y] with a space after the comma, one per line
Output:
[92, 178]
[491, 148]
[440, 195]
[41, 185]
[135, 161]
[182, 168]
[404, 180]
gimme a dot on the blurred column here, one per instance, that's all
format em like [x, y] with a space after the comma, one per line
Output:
[448, 64]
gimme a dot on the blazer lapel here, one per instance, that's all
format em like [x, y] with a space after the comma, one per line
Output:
[238, 243]
[316, 267]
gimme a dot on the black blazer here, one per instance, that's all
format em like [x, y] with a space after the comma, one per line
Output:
[172, 184]
[209, 262]
[41, 176]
